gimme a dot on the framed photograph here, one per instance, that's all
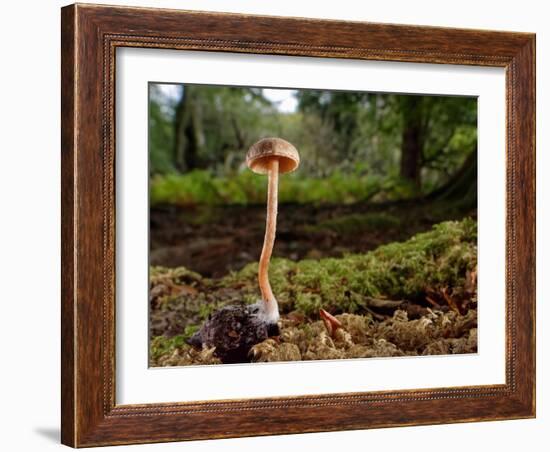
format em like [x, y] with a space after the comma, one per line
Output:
[282, 225]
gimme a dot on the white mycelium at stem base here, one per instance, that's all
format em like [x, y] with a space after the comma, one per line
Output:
[271, 306]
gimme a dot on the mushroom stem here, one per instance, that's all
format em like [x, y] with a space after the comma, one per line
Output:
[269, 238]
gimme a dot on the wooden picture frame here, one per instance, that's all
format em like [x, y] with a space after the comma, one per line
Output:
[90, 36]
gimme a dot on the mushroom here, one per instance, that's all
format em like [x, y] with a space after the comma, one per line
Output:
[271, 156]
[233, 330]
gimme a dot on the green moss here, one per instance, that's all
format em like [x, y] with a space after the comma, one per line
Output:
[438, 258]
[161, 345]
[434, 259]
[179, 275]
[189, 331]
[206, 309]
[308, 303]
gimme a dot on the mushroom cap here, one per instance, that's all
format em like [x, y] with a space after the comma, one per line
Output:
[263, 151]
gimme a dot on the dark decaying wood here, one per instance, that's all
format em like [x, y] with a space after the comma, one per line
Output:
[90, 35]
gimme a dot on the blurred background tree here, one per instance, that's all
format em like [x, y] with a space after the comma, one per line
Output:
[355, 146]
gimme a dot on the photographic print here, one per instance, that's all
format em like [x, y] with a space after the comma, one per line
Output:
[296, 224]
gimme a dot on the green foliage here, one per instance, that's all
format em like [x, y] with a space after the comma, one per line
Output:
[193, 188]
[217, 121]
[161, 132]
[246, 187]
[367, 128]
[451, 124]
[346, 138]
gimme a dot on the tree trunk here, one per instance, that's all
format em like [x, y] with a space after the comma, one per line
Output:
[412, 140]
[461, 189]
[188, 132]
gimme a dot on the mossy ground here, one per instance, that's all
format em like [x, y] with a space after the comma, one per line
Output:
[435, 270]
[215, 240]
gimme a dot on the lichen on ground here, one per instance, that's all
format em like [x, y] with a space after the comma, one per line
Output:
[434, 271]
